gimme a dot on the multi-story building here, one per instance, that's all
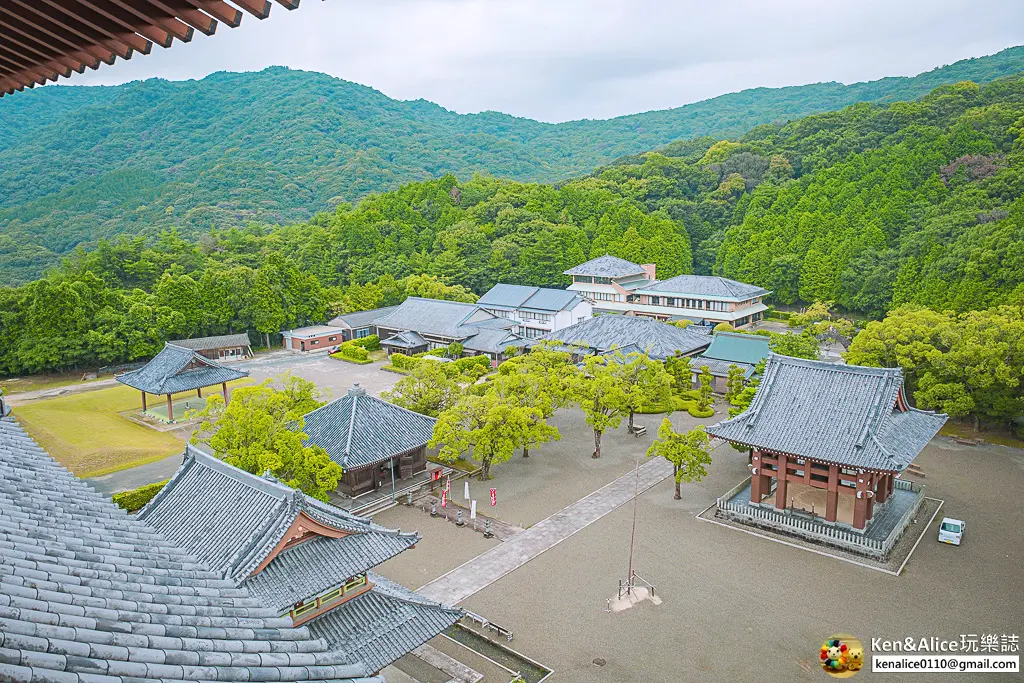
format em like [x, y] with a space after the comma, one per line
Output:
[620, 286]
[537, 310]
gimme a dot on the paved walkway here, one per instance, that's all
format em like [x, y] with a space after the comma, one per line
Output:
[486, 568]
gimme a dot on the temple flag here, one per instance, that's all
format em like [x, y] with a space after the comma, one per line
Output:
[494, 497]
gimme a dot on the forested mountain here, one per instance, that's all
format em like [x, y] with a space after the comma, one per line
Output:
[81, 163]
[873, 206]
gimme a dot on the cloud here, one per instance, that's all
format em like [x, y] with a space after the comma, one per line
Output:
[572, 59]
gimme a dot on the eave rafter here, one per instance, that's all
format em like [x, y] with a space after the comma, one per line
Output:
[44, 40]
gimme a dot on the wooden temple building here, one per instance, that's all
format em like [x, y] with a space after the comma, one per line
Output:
[223, 347]
[89, 593]
[376, 442]
[299, 557]
[841, 432]
[175, 370]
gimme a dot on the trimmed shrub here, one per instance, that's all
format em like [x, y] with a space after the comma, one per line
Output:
[136, 499]
[354, 352]
[371, 343]
[697, 412]
[404, 362]
[464, 364]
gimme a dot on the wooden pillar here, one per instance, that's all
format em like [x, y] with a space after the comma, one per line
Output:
[892, 484]
[760, 484]
[882, 489]
[143, 401]
[199, 392]
[832, 494]
[872, 481]
[781, 483]
[170, 408]
[860, 503]
[224, 387]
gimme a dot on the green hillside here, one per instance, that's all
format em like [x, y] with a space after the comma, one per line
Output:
[873, 206]
[81, 163]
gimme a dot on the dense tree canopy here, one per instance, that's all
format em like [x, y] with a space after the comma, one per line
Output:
[79, 164]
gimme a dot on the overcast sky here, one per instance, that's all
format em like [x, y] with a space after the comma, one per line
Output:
[556, 60]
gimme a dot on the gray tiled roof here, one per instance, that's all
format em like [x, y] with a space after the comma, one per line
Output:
[606, 266]
[360, 318]
[605, 331]
[89, 593]
[405, 340]
[358, 430]
[705, 285]
[430, 316]
[491, 341]
[531, 298]
[506, 296]
[322, 563]
[232, 520]
[831, 413]
[383, 623]
[169, 372]
[224, 341]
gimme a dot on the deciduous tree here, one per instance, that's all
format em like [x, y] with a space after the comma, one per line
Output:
[689, 453]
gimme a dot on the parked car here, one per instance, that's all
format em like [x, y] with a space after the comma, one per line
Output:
[333, 349]
[951, 531]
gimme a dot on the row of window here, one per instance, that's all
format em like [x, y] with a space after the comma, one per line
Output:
[680, 302]
[605, 296]
[587, 279]
[329, 597]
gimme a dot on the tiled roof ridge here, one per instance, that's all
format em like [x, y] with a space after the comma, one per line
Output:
[399, 592]
[351, 425]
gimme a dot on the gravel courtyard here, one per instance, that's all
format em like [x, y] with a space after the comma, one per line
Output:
[721, 587]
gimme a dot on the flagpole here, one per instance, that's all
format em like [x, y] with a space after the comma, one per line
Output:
[632, 536]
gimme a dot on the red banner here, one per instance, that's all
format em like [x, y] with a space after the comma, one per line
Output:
[494, 497]
[448, 483]
[435, 475]
[444, 499]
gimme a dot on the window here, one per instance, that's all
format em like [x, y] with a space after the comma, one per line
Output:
[364, 332]
[334, 338]
[582, 278]
[602, 280]
[669, 301]
[533, 332]
[315, 341]
[536, 317]
[606, 296]
[654, 300]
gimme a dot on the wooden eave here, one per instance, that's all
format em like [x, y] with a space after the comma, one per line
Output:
[44, 40]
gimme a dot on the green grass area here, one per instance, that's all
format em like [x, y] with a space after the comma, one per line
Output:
[463, 465]
[391, 368]
[86, 433]
[17, 385]
[965, 431]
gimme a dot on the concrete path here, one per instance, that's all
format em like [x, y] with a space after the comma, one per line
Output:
[135, 477]
[486, 568]
[24, 397]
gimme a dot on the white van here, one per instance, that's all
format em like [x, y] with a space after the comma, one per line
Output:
[951, 531]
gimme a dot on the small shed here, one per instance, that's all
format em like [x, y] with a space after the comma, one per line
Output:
[175, 370]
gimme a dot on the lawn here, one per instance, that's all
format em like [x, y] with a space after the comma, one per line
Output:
[86, 433]
[17, 385]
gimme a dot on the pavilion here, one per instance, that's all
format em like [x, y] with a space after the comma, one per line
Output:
[376, 442]
[175, 370]
[302, 559]
[842, 431]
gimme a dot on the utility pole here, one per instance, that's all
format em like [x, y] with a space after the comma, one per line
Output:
[632, 536]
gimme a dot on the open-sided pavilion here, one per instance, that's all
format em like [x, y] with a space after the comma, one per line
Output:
[176, 370]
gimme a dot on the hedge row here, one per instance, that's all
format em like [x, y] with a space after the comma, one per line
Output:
[371, 343]
[460, 366]
[352, 350]
[136, 499]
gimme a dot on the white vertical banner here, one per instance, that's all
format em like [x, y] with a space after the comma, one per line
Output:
[472, 510]
[467, 491]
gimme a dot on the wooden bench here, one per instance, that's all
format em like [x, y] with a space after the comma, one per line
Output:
[638, 430]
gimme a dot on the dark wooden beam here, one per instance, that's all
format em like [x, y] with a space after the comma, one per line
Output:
[119, 16]
[58, 21]
[145, 12]
[86, 19]
[55, 38]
